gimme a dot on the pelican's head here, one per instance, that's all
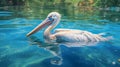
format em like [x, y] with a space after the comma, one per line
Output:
[53, 18]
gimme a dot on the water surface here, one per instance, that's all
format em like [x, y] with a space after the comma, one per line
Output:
[17, 50]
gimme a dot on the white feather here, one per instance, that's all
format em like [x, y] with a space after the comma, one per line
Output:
[73, 35]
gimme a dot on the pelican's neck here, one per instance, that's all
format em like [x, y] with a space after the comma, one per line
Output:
[47, 32]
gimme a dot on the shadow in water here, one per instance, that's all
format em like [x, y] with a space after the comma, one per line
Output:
[52, 48]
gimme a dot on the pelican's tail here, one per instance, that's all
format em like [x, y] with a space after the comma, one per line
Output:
[108, 38]
[105, 38]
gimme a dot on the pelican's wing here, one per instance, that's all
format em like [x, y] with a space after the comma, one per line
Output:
[67, 35]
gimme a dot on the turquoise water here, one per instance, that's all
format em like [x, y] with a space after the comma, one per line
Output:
[17, 50]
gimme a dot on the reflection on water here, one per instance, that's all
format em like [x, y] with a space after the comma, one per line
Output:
[53, 48]
[16, 50]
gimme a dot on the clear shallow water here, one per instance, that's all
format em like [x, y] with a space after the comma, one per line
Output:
[16, 50]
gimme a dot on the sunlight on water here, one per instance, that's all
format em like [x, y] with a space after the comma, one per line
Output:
[17, 50]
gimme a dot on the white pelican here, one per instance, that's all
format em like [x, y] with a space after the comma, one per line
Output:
[65, 35]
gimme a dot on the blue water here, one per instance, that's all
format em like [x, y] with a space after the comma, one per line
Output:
[17, 50]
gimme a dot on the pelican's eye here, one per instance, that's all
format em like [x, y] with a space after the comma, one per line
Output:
[50, 18]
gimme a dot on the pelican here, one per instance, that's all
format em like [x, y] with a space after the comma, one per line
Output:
[65, 35]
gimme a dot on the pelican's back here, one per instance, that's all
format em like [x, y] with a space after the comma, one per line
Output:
[77, 36]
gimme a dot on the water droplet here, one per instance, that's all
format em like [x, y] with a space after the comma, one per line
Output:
[56, 61]
[116, 19]
[113, 62]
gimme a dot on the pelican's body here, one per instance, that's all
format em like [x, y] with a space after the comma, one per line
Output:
[65, 35]
[71, 35]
